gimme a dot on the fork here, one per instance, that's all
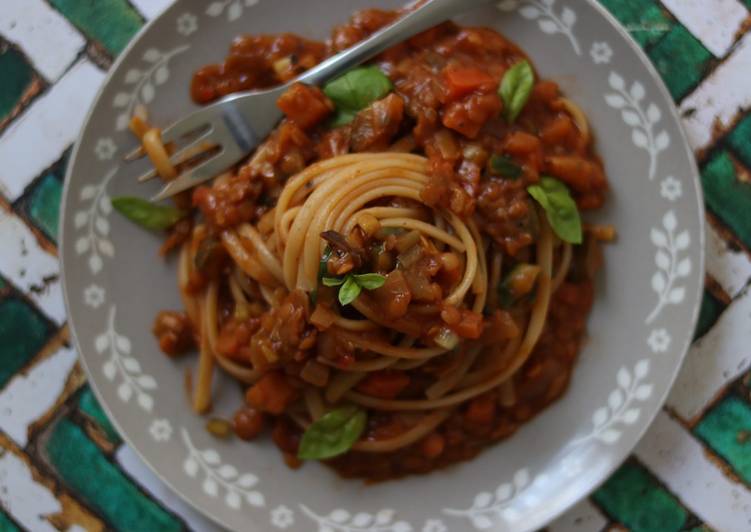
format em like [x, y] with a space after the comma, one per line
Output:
[227, 130]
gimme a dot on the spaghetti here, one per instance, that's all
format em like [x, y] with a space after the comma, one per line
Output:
[400, 279]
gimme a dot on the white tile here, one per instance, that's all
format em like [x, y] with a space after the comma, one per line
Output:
[729, 267]
[26, 500]
[45, 36]
[584, 517]
[152, 8]
[717, 358]
[34, 271]
[681, 462]
[38, 137]
[714, 23]
[134, 466]
[28, 397]
[720, 97]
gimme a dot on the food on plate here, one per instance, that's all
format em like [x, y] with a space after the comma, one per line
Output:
[399, 275]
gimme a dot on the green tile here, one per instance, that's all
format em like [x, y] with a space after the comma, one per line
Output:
[711, 308]
[740, 139]
[726, 196]
[644, 19]
[88, 404]
[23, 332]
[681, 60]
[16, 74]
[727, 430]
[110, 22]
[6, 525]
[101, 485]
[634, 498]
[43, 205]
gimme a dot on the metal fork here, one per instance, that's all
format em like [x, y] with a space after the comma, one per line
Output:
[234, 125]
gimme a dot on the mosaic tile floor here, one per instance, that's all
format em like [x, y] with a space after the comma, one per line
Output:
[63, 466]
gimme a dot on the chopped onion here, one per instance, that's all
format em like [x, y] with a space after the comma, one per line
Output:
[322, 317]
[369, 224]
[446, 338]
[282, 65]
[218, 427]
[407, 241]
[408, 258]
[315, 373]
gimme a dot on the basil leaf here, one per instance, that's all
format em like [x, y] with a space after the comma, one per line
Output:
[370, 281]
[333, 434]
[332, 281]
[560, 208]
[349, 291]
[504, 166]
[342, 117]
[355, 90]
[146, 214]
[516, 88]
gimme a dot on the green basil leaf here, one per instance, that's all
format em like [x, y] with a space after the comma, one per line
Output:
[504, 166]
[355, 90]
[560, 208]
[349, 291]
[333, 434]
[341, 118]
[332, 281]
[516, 88]
[146, 214]
[370, 281]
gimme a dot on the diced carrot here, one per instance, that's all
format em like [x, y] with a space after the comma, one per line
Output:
[521, 143]
[272, 393]
[433, 445]
[481, 410]
[385, 384]
[545, 91]
[232, 337]
[463, 80]
[470, 325]
[305, 105]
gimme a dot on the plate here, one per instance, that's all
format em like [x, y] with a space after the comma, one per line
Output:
[639, 330]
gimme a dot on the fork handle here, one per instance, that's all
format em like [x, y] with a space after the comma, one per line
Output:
[432, 13]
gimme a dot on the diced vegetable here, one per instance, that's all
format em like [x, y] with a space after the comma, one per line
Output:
[220, 428]
[519, 282]
[315, 373]
[504, 166]
[384, 384]
[272, 393]
[463, 80]
[305, 105]
[470, 325]
[394, 296]
[446, 338]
